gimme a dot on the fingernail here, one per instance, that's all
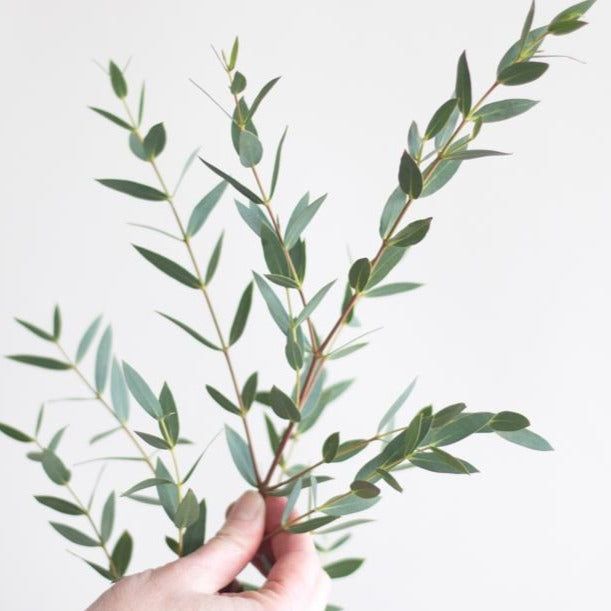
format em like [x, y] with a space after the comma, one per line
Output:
[249, 506]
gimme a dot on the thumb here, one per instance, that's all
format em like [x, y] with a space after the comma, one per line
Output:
[220, 560]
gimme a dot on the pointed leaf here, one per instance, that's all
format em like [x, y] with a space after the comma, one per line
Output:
[35, 330]
[74, 536]
[135, 189]
[274, 304]
[188, 511]
[15, 434]
[414, 233]
[393, 207]
[195, 534]
[204, 208]
[261, 96]
[410, 178]
[283, 406]
[359, 274]
[39, 361]
[525, 72]
[251, 150]
[122, 553]
[503, 109]
[277, 160]
[60, 505]
[118, 392]
[214, 260]
[393, 289]
[310, 525]
[508, 421]
[234, 183]
[222, 400]
[396, 406]
[113, 118]
[194, 334]
[241, 455]
[117, 80]
[463, 85]
[169, 267]
[330, 448]
[299, 222]
[291, 502]
[102, 360]
[142, 392]
[527, 439]
[440, 118]
[474, 154]
[87, 338]
[343, 568]
[108, 518]
[241, 315]
[154, 141]
[313, 304]
[343, 505]
[55, 468]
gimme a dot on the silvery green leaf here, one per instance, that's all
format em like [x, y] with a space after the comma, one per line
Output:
[393, 207]
[251, 150]
[298, 222]
[203, 209]
[313, 304]
[117, 80]
[438, 461]
[241, 315]
[508, 421]
[528, 22]
[393, 289]
[463, 85]
[414, 141]
[459, 428]
[293, 353]
[122, 553]
[166, 489]
[330, 447]
[74, 536]
[440, 118]
[238, 84]
[135, 189]
[343, 568]
[171, 428]
[298, 257]
[261, 96]
[154, 141]
[87, 338]
[411, 235]
[344, 505]
[526, 51]
[113, 118]
[56, 439]
[104, 435]
[503, 109]
[222, 400]
[55, 468]
[573, 12]
[57, 323]
[240, 111]
[527, 439]
[153, 440]
[448, 414]
[241, 455]
[283, 281]
[410, 178]
[522, 73]
[277, 160]
[36, 330]
[273, 252]
[194, 334]
[169, 267]
[443, 136]
[364, 489]
[389, 479]
[291, 502]
[102, 360]
[118, 392]
[188, 511]
[136, 146]
[60, 505]
[190, 159]
[214, 260]
[39, 361]
[195, 534]
[233, 57]
[253, 216]
[342, 352]
[108, 518]
[284, 407]
[274, 305]
[249, 390]
[396, 406]
[473, 154]
[14, 433]
[310, 525]
[148, 483]
[387, 262]
[142, 392]
[359, 273]
[239, 187]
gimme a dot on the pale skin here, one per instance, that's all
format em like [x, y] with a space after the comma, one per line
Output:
[295, 582]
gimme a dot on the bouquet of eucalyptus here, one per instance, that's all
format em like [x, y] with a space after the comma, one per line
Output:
[432, 157]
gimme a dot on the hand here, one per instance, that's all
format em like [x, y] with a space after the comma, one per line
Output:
[296, 581]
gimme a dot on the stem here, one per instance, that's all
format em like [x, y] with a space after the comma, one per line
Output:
[102, 401]
[187, 241]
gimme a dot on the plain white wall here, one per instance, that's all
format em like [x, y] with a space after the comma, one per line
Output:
[514, 314]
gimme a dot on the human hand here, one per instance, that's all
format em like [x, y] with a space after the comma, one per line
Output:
[296, 581]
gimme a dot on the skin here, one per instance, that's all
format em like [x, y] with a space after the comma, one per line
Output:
[295, 581]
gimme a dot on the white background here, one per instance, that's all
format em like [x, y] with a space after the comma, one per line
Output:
[514, 314]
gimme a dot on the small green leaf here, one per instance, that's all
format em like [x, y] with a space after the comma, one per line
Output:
[204, 208]
[350, 448]
[566, 27]
[310, 525]
[459, 428]
[214, 260]
[222, 400]
[283, 406]
[343, 568]
[313, 304]
[249, 391]
[396, 406]
[463, 85]
[170, 429]
[440, 118]
[359, 274]
[102, 360]
[298, 257]
[261, 96]
[194, 334]
[74, 536]
[117, 80]
[142, 392]
[15, 434]
[518, 52]
[188, 511]
[167, 491]
[393, 289]
[141, 104]
[241, 315]
[57, 323]
[104, 435]
[414, 233]
[238, 84]
[135, 189]
[273, 251]
[169, 267]
[438, 461]
[300, 219]
[87, 338]
[410, 178]
[528, 22]
[277, 160]
[330, 448]
[136, 146]
[293, 353]
[508, 421]
[113, 118]
[343, 505]
[118, 392]
[154, 141]
[527, 439]
[503, 109]
[473, 154]
[55, 468]
[251, 150]
[122, 553]
[390, 258]
[60, 505]
[522, 73]
[233, 58]
[153, 440]
[344, 525]
[274, 305]
[56, 439]
[291, 501]
[195, 534]
[241, 455]
[108, 518]
[573, 12]
[39, 361]
[414, 141]
[240, 188]
[36, 330]
[272, 434]
[282, 281]
[364, 489]
[393, 207]
[389, 479]
[148, 483]
[342, 352]
[252, 216]
[447, 414]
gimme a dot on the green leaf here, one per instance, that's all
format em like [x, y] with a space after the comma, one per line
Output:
[241, 315]
[273, 252]
[238, 84]
[102, 360]
[291, 501]
[344, 526]
[414, 233]
[390, 258]
[414, 141]
[135, 189]
[233, 58]
[310, 525]
[438, 461]
[359, 274]
[39, 419]
[249, 391]
[36, 330]
[171, 429]
[214, 260]
[251, 150]
[153, 440]
[272, 434]
[117, 80]
[410, 178]
[55, 441]
[393, 207]
[343, 568]
[240, 188]
[573, 12]
[141, 104]
[194, 334]
[122, 553]
[440, 118]
[74, 536]
[364, 489]
[463, 85]
[136, 146]
[389, 479]
[108, 518]
[350, 448]
[169, 267]
[87, 338]
[204, 208]
[118, 392]
[447, 414]
[55, 468]
[15, 434]
[474, 154]
[565, 27]
[142, 392]
[293, 353]
[283, 406]
[167, 491]
[261, 96]
[277, 160]
[188, 511]
[104, 435]
[393, 289]
[345, 351]
[252, 216]
[503, 109]
[39, 361]
[442, 138]
[528, 22]
[525, 72]
[154, 141]
[195, 534]
[396, 406]
[518, 52]
[274, 305]
[148, 483]
[330, 448]
[461, 427]
[100, 570]
[313, 304]
[527, 439]
[282, 281]
[299, 220]
[60, 505]
[113, 118]
[343, 505]
[298, 257]
[241, 455]
[508, 421]
[222, 400]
